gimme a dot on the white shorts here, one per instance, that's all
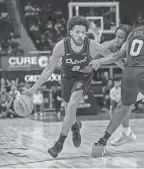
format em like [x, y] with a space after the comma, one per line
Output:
[140, 96]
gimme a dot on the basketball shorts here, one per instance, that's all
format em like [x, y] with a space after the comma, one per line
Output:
[132, 84]
[70, 84]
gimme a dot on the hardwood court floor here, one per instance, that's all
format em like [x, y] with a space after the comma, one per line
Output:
[24, 144]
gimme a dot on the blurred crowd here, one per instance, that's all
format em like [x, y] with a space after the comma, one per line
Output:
[46, 26]
[9, 45]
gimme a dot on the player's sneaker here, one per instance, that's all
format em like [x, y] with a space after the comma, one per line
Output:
[123, 139]
[98, 150]
[56, 149]
[76, 137]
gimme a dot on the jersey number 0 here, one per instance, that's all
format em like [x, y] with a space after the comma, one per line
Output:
[136, 47]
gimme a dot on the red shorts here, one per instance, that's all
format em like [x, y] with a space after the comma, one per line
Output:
[132, 84]
[70, 84]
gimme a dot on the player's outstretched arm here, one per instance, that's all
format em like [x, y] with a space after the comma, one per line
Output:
[109, 45]
[112, 58]
[96, 49]
[115, 57]
[47, 72]
[108, 60]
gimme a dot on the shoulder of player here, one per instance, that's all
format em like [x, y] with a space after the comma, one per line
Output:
[94, 44]
[105, 44]
[59, 48]
[59, 44]
[141, 28]
[138, 28]
[96, 48]
[109, 44]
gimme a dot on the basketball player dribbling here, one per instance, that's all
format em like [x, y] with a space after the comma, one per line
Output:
[132, 81]
[114, 45]
[76, 51]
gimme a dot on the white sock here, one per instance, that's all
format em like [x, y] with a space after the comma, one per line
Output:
[127, 131]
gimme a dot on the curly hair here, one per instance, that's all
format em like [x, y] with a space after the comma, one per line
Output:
[77, 20]
[126, 28]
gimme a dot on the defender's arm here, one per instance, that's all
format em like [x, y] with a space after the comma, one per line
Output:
[112, 58]
[96, 48]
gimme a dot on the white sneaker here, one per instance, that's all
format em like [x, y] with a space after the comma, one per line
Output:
[123, 139]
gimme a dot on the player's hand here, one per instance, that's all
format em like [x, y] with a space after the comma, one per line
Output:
[95, 64]
[88, 69]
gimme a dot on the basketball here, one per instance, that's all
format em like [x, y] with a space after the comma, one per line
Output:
[23, 105]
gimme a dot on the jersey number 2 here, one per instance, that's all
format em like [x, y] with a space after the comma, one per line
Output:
[136, 47]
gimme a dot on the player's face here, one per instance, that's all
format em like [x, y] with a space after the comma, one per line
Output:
[78, 34]
[120, 37]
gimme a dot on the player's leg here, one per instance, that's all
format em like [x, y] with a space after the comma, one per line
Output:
[76, 137]
[99, 147]
[127, 129]
[127, 134]
[83, 84]
[66, 87]
[65, 106]
[129, 94]
[77, 93]
[67, 123]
